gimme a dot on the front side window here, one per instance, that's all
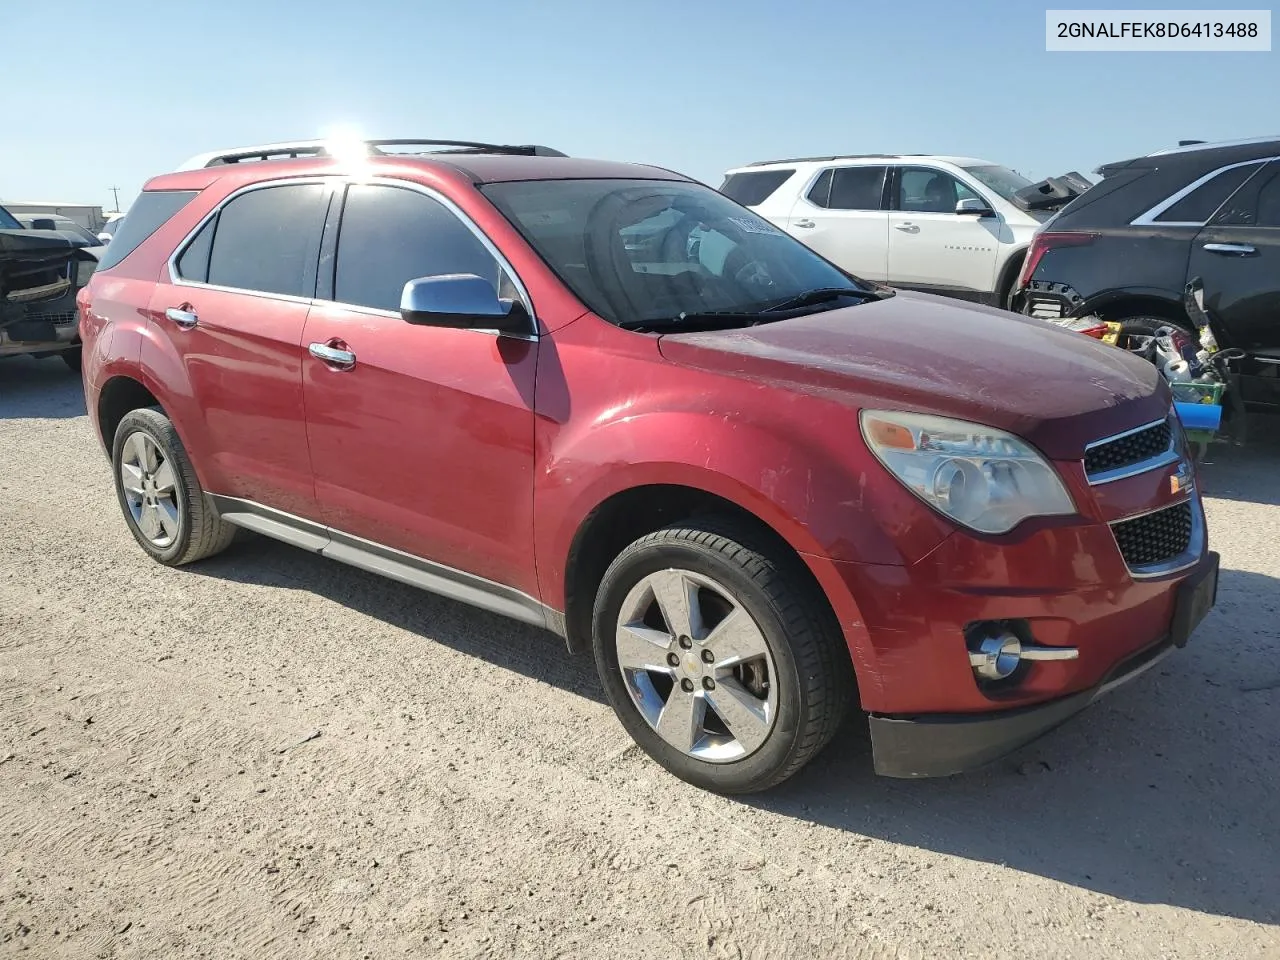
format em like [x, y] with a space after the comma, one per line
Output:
[391, 235]
[268, 240]
[924, 190]
[647, 250]
[8, 221]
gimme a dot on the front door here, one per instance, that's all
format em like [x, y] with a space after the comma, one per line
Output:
[233, 319]
[933, 248]
[841, 216]
[425, 442]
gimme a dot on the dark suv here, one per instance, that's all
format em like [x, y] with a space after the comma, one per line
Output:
[607, 400]
[1126, 249]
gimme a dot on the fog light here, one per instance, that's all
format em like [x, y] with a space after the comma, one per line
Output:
[995, 652]
[997, 656]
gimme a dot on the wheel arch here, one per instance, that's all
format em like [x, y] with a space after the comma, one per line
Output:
[117, 397]
[628, 514]
[1123, 304]
[1009, 275]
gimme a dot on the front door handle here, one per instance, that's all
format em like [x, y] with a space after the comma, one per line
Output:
[805, 223]
[906, 227]
[183, 318]
[1231, 249]
[336, 357]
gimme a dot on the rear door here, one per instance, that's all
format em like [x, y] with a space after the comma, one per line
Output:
[1237, 255]
[841, 215]
[933, 248]
[234, 315]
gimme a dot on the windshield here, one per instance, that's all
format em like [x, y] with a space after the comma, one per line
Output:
[647, 250]
[8, 221]
[1002, 180]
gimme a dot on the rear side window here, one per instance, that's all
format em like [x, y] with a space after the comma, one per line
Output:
[1257, 204]
[391, 235]
[148, 213]
[753, 188]
[193, 264]
[268, 240]
[820, 193]
[1269, 202]
[1202, 202]
[857, 188]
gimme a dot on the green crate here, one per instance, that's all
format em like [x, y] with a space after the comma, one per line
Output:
[1197, 392]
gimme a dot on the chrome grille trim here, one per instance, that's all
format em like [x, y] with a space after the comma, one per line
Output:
[1171, 454]
[1184, 560]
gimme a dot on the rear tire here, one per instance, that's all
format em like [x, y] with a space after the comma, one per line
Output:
[1145, 326]
[164, 506]
[752, 661]
[72, 358]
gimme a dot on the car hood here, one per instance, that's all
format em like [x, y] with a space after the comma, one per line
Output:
[924, 353]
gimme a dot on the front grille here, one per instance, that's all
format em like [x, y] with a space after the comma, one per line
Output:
[1156, 537]
[57, 319]
[1130, 449]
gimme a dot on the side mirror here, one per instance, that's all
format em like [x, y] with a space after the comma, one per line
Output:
[44, 223]
[104, 237]
[974, 207]
[461, 300]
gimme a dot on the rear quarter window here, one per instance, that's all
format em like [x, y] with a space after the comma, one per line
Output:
[152, 210]
[754, 187]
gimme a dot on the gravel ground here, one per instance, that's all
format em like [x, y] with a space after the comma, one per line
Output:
[272, 755]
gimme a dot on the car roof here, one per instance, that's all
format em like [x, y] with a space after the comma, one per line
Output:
[1208, 155]
[475, 168]
[870, 157]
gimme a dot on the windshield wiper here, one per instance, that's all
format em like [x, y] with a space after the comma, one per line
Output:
[708, 320]
[823, 295]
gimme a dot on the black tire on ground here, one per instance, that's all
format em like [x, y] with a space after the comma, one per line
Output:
[72, 358]
[201, 532]
[1145, 326]
[813, 671]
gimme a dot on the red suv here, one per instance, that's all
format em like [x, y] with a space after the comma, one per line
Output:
[607, 400]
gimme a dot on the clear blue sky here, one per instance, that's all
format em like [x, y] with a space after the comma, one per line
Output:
[110, 93]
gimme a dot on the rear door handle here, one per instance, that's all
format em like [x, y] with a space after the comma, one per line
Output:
[805, 223]
[906, 227]
[334, 356]
[183, 318]
[1231, 249]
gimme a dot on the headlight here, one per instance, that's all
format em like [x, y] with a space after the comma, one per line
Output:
[978, 476]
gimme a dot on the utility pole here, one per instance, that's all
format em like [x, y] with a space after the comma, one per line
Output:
[115, 193]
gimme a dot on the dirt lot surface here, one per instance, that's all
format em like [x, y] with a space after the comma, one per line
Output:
[272, 755]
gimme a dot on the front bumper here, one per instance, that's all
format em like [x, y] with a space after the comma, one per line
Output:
[936, 745]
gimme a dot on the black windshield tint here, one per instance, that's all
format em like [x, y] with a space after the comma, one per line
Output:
[635, 250]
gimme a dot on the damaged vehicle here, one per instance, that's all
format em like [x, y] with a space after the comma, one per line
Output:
[42, 268]
[608, 401]
[1180, 245]
[956, 226]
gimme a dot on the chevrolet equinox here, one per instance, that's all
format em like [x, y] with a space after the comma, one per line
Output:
[607, 400]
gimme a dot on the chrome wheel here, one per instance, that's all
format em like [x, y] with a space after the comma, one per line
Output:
[150, 489]
[696, 666]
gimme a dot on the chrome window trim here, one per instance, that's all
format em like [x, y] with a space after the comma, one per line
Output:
[1183, 561]
[1148, 219]
[335, 182]
[1166, 457]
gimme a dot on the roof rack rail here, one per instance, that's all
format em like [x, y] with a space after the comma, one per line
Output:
[839, 156]
[295, 149]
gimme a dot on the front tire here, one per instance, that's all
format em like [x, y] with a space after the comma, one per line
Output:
[72, 358]
[720, 656]
[164, 506]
